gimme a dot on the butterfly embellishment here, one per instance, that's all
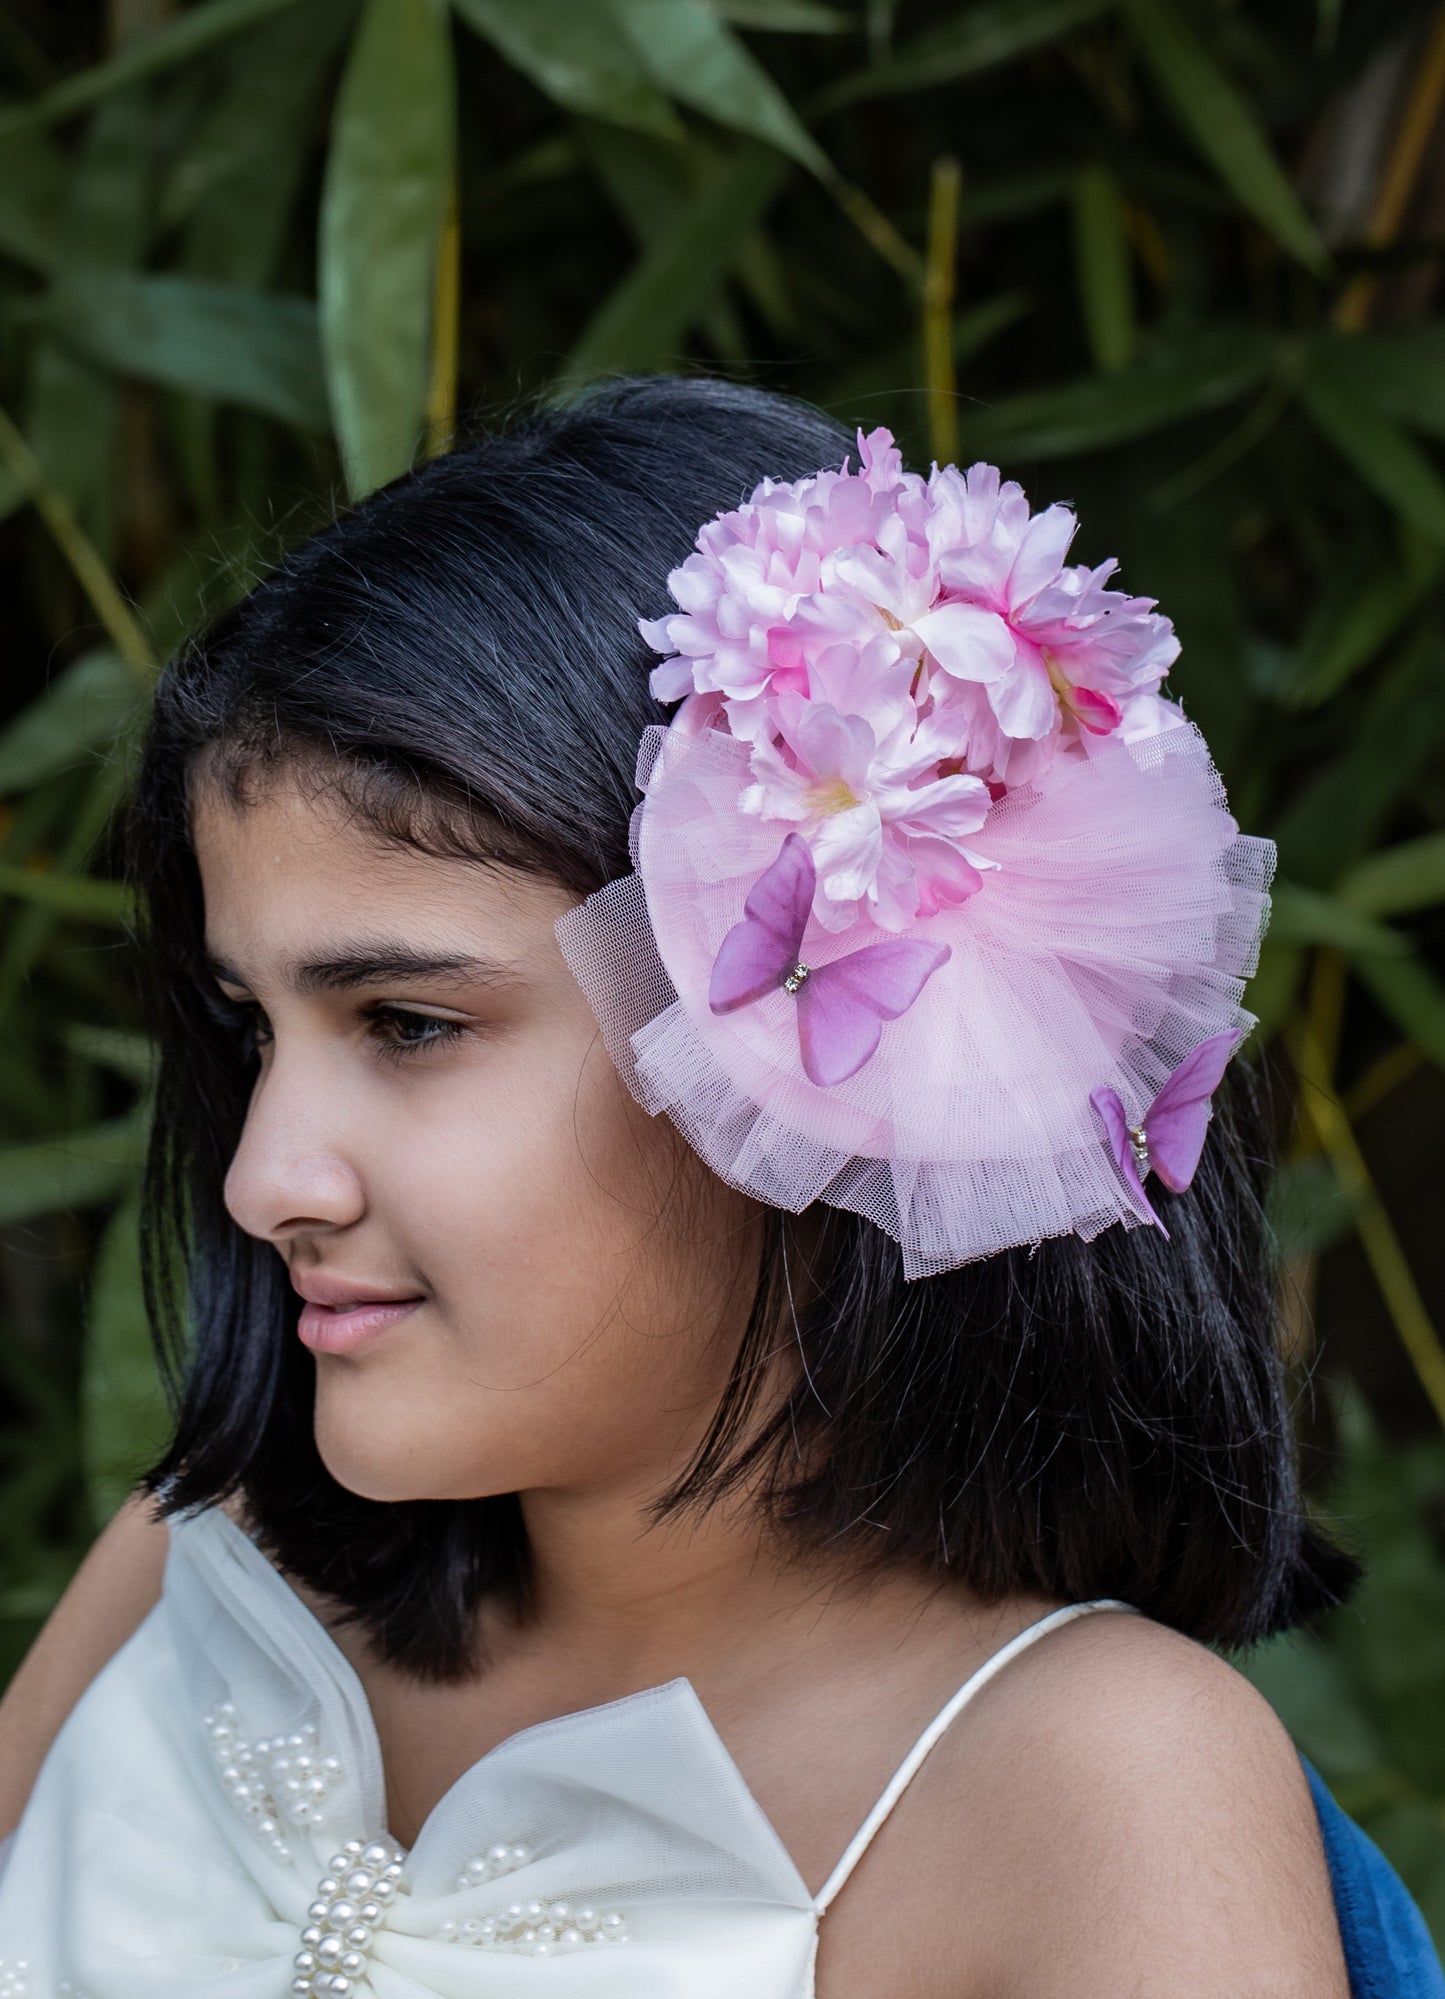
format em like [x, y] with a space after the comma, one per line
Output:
[841, 1005]
[1170, 1137]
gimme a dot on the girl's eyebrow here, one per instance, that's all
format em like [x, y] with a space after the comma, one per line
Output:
[381, 962]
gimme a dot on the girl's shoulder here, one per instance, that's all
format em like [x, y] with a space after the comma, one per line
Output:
[1119, 1810]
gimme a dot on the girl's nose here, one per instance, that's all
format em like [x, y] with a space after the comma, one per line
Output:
[291, 1174]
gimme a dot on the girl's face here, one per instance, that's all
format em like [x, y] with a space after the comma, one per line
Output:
[517, 1280]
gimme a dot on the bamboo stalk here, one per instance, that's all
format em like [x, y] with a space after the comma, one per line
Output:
[79, 551]
[1319, 1104]
[938, 285]
[441, 400]
[1402, 170]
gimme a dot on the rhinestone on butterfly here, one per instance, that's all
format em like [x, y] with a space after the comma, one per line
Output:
[353, 1899]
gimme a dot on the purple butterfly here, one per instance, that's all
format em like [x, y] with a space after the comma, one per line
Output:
[1170, 1137]
[841, 1006]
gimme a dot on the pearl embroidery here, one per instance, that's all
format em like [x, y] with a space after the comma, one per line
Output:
[352, 1901]
[496, 1861]
[15, 1982]
[281, 1780]
[537, 1929]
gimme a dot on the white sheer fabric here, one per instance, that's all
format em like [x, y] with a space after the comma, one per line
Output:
[182, 1833]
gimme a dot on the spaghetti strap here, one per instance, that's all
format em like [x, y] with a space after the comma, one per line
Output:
[909, 1767]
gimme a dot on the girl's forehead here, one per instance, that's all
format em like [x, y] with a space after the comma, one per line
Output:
[296, 875]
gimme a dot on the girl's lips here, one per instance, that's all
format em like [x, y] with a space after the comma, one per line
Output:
[342, 1329]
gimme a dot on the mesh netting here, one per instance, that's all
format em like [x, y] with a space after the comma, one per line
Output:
[1114, 936]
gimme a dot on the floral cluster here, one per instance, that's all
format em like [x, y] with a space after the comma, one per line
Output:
[898, 652]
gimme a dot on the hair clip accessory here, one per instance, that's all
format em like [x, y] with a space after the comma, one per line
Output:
[933, 892]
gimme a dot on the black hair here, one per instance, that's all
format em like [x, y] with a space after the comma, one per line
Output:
[1074, 1419]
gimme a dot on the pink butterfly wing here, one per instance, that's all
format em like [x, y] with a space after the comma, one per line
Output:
[758, 953]
[1176, 1121]
[842, 1006]
[1116, 1124]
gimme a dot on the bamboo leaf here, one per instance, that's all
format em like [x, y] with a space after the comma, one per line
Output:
[1329, 825]
[261, 351]
[130, 1055]
[74, 410]
[388, 177]
[643, 323]
[142, 56]
[79, 1171]
[1398, 880]
[576, 57]
[1411, 994]
[81, 712]
[1176, 380]
[73, 895]
[783, 17]
[1400, 371]
[696, 58]
[1363, 606]
[1388, 461]
[1306, 916]
[124, 1420]
[32, 185]
[1101, 255]
[1222, 125]
[981, 38]
[234, 185]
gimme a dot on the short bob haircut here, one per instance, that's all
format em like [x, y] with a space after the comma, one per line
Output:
[1077, 1419]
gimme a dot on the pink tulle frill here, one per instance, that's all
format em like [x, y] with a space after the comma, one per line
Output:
[1114, 935]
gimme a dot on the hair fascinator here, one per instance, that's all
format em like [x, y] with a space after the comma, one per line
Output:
[937, 910]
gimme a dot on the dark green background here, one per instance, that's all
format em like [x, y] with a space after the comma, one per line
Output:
[1177, 261]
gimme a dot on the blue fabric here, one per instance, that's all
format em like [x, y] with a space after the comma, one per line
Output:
[1387, 1947]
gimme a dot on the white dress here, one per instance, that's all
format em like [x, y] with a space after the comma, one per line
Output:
[211, 1819]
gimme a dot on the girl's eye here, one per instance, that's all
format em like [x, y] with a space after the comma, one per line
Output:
[243, 1020]
[401, 1033]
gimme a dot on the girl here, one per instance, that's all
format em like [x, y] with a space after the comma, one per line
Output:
[574, 1552]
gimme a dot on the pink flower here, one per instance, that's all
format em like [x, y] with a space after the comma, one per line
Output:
[897, 651]
[854, 767]
[1075, 651]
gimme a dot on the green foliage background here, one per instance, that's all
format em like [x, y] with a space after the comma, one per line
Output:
[1175, 260]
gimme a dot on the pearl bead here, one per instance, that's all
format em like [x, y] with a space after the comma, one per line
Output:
[337, 1947]
[276, 1781]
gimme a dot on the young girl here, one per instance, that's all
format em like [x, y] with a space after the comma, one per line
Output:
[696, 1457]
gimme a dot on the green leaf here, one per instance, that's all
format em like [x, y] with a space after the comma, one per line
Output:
[1412, 995]
[219, 340]
[72, 1172]
[124, 1420]
[1308, 1209]
[696, 58]
[1305, 916]
[82, 711]
[643, 323]
[388, 175]
[980, 38]
[1400, 371]
[197, 29]
[1330, 824]
[783, 17]
[1363, 606]
[1398, 879]
[1101, 255]
[576, 57]
[130, 1055]
[234, 185]
[1388, 461]
[81, 896]
[1176, 379]
[1222, 125]
[74, 409]
[1311, 1691]
[32, 185]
